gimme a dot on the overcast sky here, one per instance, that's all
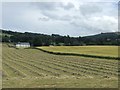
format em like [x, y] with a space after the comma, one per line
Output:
[69, 17]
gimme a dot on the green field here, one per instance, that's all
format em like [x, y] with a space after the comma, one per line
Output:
[110, 51]
[30, 68]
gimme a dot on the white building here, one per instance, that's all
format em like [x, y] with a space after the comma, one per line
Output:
[23, 45]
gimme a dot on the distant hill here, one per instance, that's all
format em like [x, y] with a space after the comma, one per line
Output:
[105, 35]
[37, 39]
[104, 38]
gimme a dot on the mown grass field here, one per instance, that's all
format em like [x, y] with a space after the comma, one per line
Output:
[32, 68]
[110, 51]
[0, 66]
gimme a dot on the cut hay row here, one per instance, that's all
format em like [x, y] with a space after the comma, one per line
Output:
[28, 71]
[13, 72]
[58, 65]
[85, 69]
[103, 64]
[34, 68]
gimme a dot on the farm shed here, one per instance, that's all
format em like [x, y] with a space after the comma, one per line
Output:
[22, 44]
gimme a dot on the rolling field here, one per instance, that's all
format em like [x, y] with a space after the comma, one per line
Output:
[110, 51]
[34, 68]
[0, 66]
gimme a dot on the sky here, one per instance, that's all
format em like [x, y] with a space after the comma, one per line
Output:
[65, 17]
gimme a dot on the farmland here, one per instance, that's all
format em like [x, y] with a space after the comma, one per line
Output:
[34, 68]
[110, 51]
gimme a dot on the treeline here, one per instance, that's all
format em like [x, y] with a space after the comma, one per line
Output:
[37, 39]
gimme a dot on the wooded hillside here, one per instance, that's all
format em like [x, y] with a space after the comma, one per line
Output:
[37, 39]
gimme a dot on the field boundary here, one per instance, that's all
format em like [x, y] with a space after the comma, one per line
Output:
[75, 54]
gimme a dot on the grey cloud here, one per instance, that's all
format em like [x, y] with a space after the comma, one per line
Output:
[59, 18]
[86, 29]
[50, 15]
[45, 5]
[67, 7]
[63, 18]
[52, 5]
[66, 18]
[103, 24]
[90, 8]
[43, 19]
[49, 9]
